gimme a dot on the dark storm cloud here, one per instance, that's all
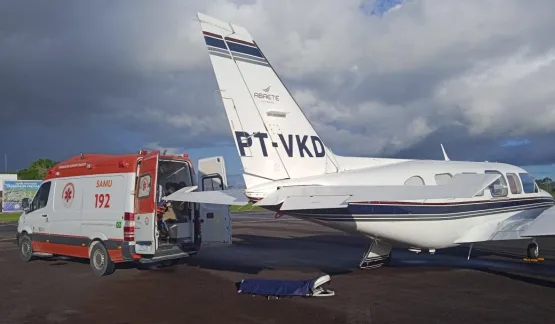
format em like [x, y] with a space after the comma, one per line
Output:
[79, 70]
[113, 76]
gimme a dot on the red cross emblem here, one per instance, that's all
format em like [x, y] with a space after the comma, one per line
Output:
[144, 185]
[68, 194]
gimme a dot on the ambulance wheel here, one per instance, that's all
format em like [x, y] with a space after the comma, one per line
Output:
[533, 250]
[25, 248]
[100, 261]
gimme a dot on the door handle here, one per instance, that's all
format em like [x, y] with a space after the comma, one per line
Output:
[44, 215]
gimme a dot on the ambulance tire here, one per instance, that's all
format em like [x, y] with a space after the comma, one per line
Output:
[100, 261]
[26, 248]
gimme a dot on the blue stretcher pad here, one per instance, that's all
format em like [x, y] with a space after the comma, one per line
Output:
[268, 287]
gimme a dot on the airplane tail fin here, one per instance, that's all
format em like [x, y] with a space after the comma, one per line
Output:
[273, 137]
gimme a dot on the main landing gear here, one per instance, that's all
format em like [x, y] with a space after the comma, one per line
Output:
[533, 252]
[378, 254]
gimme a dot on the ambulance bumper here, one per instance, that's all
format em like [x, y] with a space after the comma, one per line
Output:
[170, 252]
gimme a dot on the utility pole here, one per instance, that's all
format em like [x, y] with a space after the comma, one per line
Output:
[5, 162]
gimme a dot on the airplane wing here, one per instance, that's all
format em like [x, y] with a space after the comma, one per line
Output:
[520, 226]
[319, 197]
[221, 197]
[544, 225]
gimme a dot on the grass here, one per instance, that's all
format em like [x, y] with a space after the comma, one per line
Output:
[9, 217]
[245, 208]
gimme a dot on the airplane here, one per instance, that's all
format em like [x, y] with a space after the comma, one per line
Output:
[405, 203]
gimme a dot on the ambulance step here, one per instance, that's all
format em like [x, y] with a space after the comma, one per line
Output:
[169, 252]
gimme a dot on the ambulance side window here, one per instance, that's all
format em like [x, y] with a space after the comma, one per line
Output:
[212, 182]
[41, 198]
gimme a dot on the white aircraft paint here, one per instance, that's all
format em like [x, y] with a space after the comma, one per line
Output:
[424, 204]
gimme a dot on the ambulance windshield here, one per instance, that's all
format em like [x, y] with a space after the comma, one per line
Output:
[174, 175]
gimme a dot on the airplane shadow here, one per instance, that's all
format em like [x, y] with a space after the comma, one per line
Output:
[340, 255]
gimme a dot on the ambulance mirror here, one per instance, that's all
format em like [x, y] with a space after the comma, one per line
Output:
[25, 204]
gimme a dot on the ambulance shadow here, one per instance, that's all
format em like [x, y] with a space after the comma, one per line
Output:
[58, 261]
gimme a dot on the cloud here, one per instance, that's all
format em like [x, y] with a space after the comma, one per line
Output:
[463, 73]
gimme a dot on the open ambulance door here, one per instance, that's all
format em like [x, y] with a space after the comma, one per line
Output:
[146, 235]
[215, 219]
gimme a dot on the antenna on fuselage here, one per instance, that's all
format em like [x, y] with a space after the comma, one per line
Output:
[445, 157]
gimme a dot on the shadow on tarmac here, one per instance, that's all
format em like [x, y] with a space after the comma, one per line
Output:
[338, 255]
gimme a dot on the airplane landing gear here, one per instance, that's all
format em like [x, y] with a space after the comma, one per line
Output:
[378, 254]
[533, 250]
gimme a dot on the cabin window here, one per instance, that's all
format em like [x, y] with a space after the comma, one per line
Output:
[514, 183]
[414, 181]
[144, 186]
[528, 183]
[443, 178]
[481, 193]
[499, 187]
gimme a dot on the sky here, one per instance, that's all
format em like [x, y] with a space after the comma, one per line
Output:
[377, 78]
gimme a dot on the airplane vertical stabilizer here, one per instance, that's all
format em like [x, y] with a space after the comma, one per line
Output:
[273, 137]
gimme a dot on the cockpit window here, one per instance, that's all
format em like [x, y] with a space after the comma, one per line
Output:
[528, 183]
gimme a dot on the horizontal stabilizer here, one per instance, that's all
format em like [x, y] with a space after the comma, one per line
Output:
[319, 197]
[221, 197]
[544, 225]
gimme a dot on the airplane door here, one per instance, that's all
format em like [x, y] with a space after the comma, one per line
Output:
[215, 219]
[146, 238]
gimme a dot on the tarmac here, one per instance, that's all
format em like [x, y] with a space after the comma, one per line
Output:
[494, 286]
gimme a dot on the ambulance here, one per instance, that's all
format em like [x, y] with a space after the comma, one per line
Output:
[109, 209]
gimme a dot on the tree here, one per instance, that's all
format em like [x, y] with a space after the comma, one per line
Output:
[546, 184]
[37, 170]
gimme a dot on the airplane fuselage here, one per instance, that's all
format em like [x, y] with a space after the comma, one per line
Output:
[434, 223]
[288, 168]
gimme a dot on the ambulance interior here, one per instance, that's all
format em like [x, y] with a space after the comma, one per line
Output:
[177, 217]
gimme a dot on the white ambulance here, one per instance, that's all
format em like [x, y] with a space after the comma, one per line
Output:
[108, 209]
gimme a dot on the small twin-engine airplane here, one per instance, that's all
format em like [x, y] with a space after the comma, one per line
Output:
[414, 204]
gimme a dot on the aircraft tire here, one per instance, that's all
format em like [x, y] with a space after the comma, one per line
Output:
[533, 251]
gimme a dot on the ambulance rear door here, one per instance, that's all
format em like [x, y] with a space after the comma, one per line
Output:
[146, 236]
[215, 219]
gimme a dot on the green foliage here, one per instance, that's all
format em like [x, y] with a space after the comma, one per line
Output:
[37, 170]
[245, 208]
[547, 184]
[9, 217]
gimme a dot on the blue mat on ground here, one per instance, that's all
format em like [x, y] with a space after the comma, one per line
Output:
[273, 287]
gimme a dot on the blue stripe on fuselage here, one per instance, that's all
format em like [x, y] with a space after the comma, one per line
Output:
[210, 41]
[421, 209]
[244, 49]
